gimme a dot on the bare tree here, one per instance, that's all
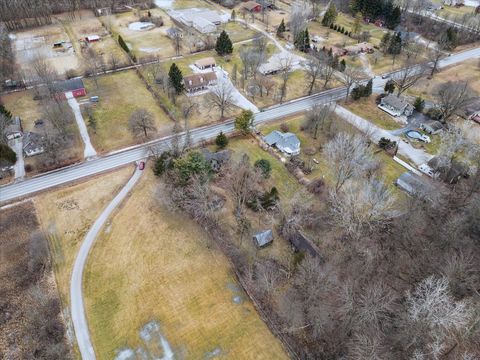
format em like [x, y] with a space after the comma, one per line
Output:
[177, 40]
[221, 97]
[285, 72]
[299, 15]
[297, 214]
[4, 122]
[59, 114]
[114, 62]
[408, 76]
[350, 77]
[45, 76]
[142, 122]
[437, 53]
[453, 97]
[313, 71]
[94, 64]
[318, 116]
[348, 156]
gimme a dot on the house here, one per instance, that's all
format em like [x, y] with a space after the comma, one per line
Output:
[362, 47]
[203, 20]
[92, 38]
[216, 159]
[14, 130]
[252, 6]
[448, 171]
[432, 127]
[205, 63]
[263, 238]
[75, 86]
[174, 33]
[287, 143]
[414, 185]
[396, 106]
[198, 82]
[203, 26]
[32, 144]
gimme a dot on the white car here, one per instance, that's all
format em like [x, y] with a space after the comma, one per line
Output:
[425, 139]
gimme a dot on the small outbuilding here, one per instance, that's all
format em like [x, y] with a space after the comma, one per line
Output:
[287, 143]
[14, 130]
[206, 63]
[396, 106]
[252, 6]
[432, 127]
[216, 159]
[92, 38]
[263, 238]
[414, 185]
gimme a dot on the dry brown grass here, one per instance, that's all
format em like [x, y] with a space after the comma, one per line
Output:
[156, 265]
[22, 104]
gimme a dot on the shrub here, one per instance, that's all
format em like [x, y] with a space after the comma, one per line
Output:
[335, 27]
[419, 104]
[163, 163]
[316, 186]
[265, 166]
[221, 140]
[284, 127]
[386, 144]
[7, 154]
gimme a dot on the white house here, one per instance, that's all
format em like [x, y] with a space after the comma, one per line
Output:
[287, 143]
[396, 106]
[33, 144]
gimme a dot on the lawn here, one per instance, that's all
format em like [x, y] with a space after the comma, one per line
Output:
[21, 104]
[347, 22]
[155, 265]
[120, 95]
[367, 109]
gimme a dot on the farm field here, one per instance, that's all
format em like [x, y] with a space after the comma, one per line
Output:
[120, 95]
[152, 265]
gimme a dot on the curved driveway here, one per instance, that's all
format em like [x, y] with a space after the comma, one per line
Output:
[77, 307]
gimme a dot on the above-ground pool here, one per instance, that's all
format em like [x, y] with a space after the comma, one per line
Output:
[413, 134]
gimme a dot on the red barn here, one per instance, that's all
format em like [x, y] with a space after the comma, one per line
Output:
[75, 86]
[252, 6]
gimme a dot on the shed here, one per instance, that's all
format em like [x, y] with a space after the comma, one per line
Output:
[205, 63]
[14, 130]
[75, 86]
[414, 185]
[432, 127]
[252, 6]
[263, 238]
[173, 33]
[92, 38]
[287, 143]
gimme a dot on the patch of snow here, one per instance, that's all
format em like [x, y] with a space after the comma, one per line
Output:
[125, 354]
[164, 4]
[141, 26]
[237, 299]
[149, 50]
[12, 36]
[214, 353]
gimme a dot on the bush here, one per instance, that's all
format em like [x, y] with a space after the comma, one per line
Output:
[284, 127]
[419, 104]
[265, 166]
[270, 199]
[434, 113]
[335, 27]
[221, 140]
[386, 144]
[7, 154]
[163, 163]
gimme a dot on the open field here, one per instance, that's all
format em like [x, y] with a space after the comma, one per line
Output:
[32, 323]
[29, 43]
[120, 95]
[154, 265]
[367, 109]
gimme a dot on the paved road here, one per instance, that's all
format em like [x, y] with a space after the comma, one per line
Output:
[125, 156]
[76, 296]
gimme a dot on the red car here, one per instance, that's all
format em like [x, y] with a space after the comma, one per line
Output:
[141, 165]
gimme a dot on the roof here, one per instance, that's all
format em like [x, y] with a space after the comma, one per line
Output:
[250, 5]
[93, 37]
[395, 102]
[450, 171]
[219, 156]
[433, 124]
[286, 142]
[32, 141]
[413, 184]
[196, 80]
[208, 61]
[12, 128]
[173, 31]
[263, 238]
[70, 85]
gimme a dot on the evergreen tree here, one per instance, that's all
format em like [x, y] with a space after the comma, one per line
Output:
[384, 44]
[331, 26]
[451, 37]
[175, 78]
[335, 27]
[330, 15]
[281, 28]
[357, 24]
[368, 88]
[221, 140]
[224, 45]
[4, 111]
[419, 104]
[395, 46]
[7, 154]
[357, 92]
[244, 121]
[342, 66]
[122, 44]
[393, 20]
[389, 86]
[343, 30]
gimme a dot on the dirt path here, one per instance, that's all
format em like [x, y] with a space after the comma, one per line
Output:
[19, 167]
[76, 296]
[89, 151]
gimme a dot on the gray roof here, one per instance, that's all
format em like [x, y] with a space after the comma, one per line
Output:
[32, 141]
[70, 85]
[263, 238]
[219, 156]
[414, 185]
[395, 102]
[287, 142]
[433, 124]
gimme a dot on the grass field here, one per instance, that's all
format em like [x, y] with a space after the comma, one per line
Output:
[22, 104]
[152, 264]
[120, 95]
[367, 109]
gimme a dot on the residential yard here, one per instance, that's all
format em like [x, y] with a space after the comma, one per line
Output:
[154, 265]
[21, 104]
[347, 22]
[452, 11]
[367, 108]
[120, 95]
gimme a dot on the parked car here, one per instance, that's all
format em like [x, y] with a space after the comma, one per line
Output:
[141, 165]
[385, 76]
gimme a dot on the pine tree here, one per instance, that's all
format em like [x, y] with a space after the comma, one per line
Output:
[384, 44]
[393, 20]
[4, 111]
[368, 88]
[175, 78]
[451, 37]
[224, 45]
[389, 86]
[122, 44]
[330, 15]
[281, 28]
[302, 42]
[221, 140]
[335, 27]
[342, 66]
[395, 46]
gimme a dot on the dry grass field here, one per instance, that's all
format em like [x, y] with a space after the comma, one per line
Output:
[22, 104]
[120, 95]
[367, 108]
[154, 265]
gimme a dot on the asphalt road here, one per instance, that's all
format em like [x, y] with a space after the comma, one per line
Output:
[113, 160]
[76, 297]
